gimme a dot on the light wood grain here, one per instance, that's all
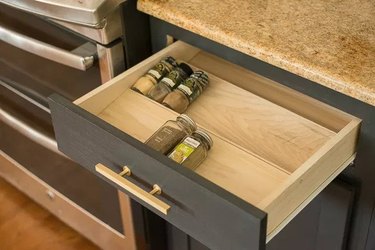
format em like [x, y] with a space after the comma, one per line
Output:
[310, 175]
[273, 147]
[258, 125]
[301, 206]
[96, 100]
[318, 112]
[236, 170]
[234, 113]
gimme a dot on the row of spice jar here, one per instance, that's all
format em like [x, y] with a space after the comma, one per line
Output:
[173, 84]
[182, 142]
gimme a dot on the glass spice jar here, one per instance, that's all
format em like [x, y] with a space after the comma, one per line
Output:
[170, 82]
[151, 78]
[171, 133]
[180, 98]
[192, 150]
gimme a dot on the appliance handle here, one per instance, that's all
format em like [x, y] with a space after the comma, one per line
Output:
[30, 132]
[81, 58]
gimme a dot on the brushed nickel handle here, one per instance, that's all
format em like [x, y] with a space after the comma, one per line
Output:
[147, 197]
[29, 132]
[72, 59]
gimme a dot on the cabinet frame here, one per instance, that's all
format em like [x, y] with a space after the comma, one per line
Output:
[364, 172]
[90, 140]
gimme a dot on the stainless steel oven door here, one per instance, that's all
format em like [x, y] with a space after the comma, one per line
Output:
[64, 44]
[42, 76]
[26, 135]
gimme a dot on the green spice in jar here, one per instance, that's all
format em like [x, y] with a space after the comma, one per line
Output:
[170, 82]
[171, 133]
[192, 150]
[180, 98]
[151, 78]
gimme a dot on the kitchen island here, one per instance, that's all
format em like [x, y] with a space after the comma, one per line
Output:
[321, 49]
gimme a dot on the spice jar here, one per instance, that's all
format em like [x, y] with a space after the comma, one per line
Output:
[150, 79]
[170, 82]
[192, 150]
[180, 98]
[171, 133]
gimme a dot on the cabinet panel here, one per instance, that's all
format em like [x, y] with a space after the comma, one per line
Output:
[178, 240]
[371, 235]
[322, 225]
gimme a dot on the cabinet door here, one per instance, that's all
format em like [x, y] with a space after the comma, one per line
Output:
[323, 225]
[178, 240]
[371, 235]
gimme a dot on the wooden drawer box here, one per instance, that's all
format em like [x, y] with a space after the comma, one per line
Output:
[274, 149]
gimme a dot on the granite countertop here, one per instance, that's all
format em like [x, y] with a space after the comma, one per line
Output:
[329, 42]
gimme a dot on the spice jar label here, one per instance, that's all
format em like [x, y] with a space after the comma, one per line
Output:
[162, 68]
[174, 77]
[185, 89]
[184, 149]
[191, 88]
[158, 71]
[154, 73]
[168, 81]
[165, 139]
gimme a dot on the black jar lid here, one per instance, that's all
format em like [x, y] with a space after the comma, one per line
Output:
[186, 68]
[202, 77]
[170, 60]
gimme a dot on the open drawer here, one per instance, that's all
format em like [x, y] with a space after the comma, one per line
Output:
[274, 149]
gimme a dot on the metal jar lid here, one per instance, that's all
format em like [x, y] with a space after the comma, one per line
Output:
[202, 78]
[205, 136]
[188, 120]
[171, 61]
[186, 68]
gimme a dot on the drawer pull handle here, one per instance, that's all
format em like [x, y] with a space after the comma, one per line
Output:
[155, 190]
[147, 197]
[126, 171]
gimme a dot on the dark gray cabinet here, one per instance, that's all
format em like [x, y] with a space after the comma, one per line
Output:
[176, 239]
[89, 141]
[322, 225]
[359, 232]
[371, 236]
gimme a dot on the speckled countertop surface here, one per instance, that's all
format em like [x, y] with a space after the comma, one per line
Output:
[330, 42]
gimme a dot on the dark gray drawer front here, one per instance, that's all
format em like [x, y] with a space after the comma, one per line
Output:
[200, 208]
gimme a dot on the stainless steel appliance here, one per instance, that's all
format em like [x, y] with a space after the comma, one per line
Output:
[99, 21]
[66, 47]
